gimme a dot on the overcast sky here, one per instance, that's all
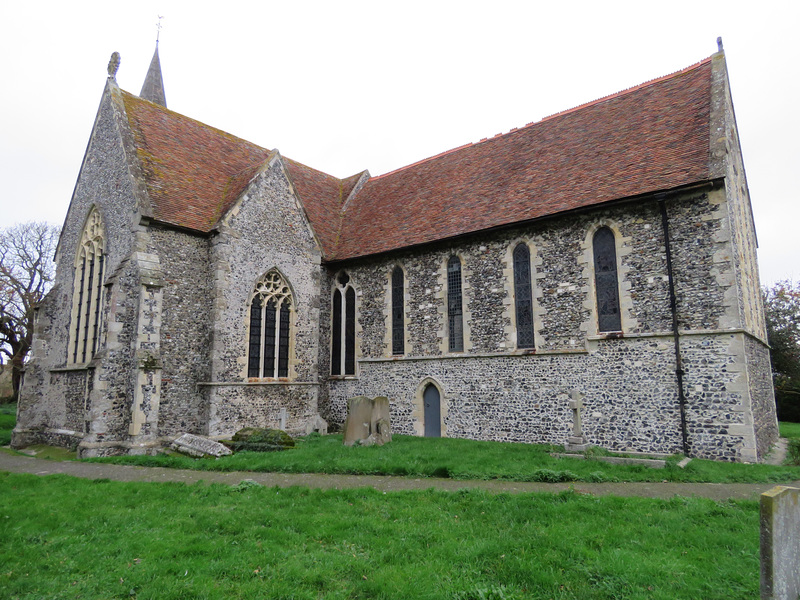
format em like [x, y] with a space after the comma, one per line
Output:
[347, 86]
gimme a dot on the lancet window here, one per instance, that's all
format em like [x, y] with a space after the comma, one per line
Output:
[343, 327]
[455, 312]
[523, 302]
[271, 311]
[606, 281]
[87, 291]
[398, 311]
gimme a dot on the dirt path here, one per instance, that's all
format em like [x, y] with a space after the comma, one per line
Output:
[716, 491]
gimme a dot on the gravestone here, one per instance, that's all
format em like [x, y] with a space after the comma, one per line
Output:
[199, 447]
[367, 421]
[576, 442]
[780, 544]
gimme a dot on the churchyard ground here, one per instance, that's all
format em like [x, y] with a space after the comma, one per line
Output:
[63, 537]
[464, 459]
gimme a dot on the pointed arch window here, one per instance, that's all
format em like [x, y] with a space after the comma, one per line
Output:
[523, 302]
[606, 281]
[343, 327]
[455, 312]
[398, 311]
[87, 291]
[270, 341]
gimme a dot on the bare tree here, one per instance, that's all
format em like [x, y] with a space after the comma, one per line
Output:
[26, 273]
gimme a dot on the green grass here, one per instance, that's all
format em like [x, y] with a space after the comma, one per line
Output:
[62, 537]
[789, 430]
[8, 417]
[461, 459]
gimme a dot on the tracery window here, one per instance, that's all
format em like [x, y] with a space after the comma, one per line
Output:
[523, 302]
[398, 312]
[343, 327]
[271, 320]
[455, 313]
[87, 291]
[606, 282]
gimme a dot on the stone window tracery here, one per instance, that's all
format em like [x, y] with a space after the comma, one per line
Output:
[271, 311]
[455, 312]
[87, 291]
[343, 327]
[606, 281]
[398, 311]
[523, 302]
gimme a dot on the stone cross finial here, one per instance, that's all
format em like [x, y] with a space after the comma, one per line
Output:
[719, 44]
[113, 65]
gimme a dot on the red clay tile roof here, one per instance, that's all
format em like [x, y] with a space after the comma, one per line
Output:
[652, 137]
[322, 198]
[194, 173]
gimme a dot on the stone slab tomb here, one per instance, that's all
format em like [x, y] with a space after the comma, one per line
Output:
[780, 544]
[199, 447]
[367, 421]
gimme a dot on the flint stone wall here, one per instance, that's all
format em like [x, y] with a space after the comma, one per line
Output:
[630, 383]
[51, 398]
[265, 230]
[185, 352]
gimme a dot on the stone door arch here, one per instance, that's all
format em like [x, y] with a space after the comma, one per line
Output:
[430, 409]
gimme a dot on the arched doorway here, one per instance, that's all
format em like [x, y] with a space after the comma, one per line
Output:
[433, 413]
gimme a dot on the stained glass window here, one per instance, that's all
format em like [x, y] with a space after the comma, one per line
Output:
[522, 296]
[398, 314]
[270, 327]
[336, 334]
[87, 293]
[606, 282]
[343, 327]
[455, 317]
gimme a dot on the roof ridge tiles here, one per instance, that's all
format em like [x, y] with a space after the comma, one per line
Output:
[435, 156]
[622, 92]
[552, 116]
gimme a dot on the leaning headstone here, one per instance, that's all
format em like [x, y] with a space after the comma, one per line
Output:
[367, 421]
[780, 544]
[199, 447]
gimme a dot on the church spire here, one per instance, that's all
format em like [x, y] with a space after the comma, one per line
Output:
[153, 88]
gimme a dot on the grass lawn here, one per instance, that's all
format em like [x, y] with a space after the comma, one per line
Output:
[8, 416]
[789, 430]
[461, 459]
[62, 537]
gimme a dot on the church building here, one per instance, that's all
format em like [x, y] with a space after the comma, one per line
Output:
[600, 262]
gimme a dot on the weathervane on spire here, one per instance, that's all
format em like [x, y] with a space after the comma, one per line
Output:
[158, 28]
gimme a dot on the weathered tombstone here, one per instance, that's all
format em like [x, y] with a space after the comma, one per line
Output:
[199, 447]
[367, 421]
[576, 442]
[780, 544]
[318, 424]
[282, 416]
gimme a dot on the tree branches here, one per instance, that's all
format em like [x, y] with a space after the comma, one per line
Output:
[26, 273]
[782, 306]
